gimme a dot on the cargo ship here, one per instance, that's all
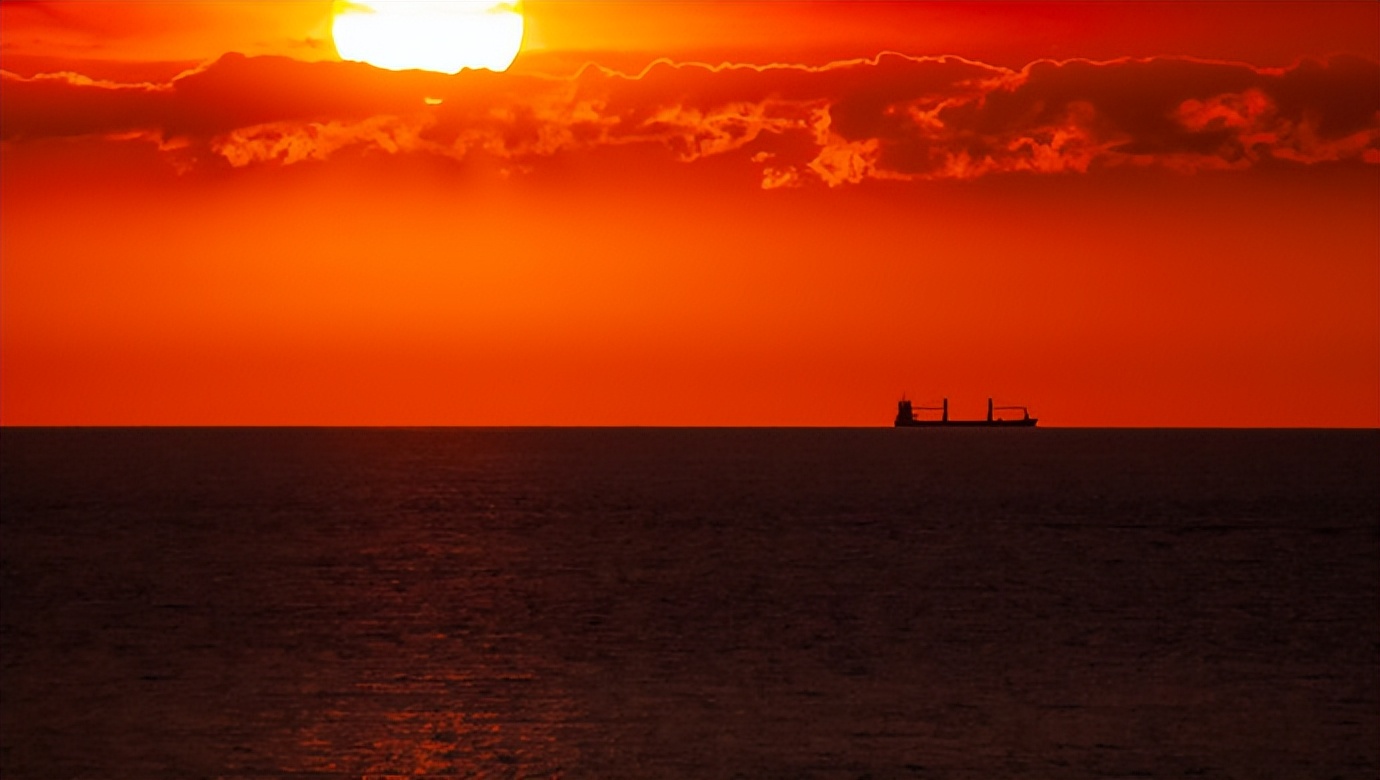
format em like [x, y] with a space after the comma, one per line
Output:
[905, 417]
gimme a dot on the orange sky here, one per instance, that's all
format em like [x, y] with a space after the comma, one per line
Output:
[1119, 214]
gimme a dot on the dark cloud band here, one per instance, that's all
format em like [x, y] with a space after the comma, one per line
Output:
[890, 117]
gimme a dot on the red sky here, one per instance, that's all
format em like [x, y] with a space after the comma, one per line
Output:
[694, 213]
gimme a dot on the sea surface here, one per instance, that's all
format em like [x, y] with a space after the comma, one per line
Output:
[689, 603]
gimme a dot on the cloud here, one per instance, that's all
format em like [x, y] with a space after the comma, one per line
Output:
[890, 117]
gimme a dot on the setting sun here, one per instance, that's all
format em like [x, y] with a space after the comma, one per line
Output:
[438, 36]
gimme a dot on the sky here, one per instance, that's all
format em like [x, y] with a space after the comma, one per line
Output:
[700, 212]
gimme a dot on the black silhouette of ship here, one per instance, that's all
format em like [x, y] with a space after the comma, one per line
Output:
[905, 417]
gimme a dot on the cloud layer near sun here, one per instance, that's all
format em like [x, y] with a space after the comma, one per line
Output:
[890, 117]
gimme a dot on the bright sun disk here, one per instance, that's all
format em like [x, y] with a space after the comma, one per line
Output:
[441, 35]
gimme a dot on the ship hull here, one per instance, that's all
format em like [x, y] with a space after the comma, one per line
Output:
[1023, 423]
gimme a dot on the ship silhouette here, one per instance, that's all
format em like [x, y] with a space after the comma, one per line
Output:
[905, 417]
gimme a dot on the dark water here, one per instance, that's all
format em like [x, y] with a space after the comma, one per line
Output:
[607, 603]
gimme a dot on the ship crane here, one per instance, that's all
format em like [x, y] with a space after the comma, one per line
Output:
[944, 408]
[1025, 413]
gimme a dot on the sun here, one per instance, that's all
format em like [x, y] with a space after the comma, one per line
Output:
[441, 35]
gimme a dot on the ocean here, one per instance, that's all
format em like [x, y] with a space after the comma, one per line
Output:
[689, 603]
